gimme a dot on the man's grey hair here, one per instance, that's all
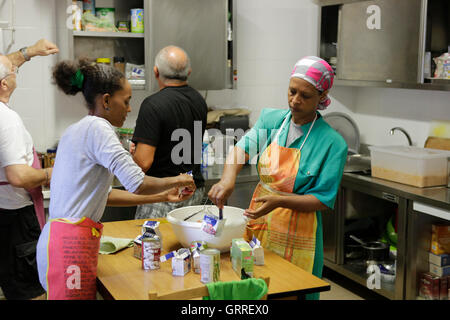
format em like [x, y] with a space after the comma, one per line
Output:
[4, 71]
[171, 69]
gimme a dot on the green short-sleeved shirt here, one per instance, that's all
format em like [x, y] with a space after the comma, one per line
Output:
[322, 158]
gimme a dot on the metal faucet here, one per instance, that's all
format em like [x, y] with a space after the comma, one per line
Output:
[404, 131]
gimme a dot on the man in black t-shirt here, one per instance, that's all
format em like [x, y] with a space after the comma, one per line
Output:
[176, 112]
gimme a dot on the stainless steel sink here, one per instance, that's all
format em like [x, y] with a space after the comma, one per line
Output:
[358, 163]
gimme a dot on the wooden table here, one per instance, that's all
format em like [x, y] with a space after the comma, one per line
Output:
[120, 275]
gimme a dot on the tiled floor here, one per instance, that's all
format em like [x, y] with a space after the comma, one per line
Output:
[346, 289]
[338, 292]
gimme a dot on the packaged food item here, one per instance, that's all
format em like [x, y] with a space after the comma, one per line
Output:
[95, 24]
[106, 61]
[151, 252]
[242, 259]
[152, 228]
[123, 26]
[258, 251]
[429, 286]
[440, 260]
[442, 66]
[106, 14]
[119, 64]
[440, 239]
[196, 248]
[443, 288]
[439, 271]
[77, 12]
[210, 265]
[137, 247]
[212, 225]
[89, 6]
[181, 261]
[137, 20]
[185, 190]
[134, 71]
[50, 157]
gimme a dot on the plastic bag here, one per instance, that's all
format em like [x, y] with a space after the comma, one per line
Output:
[134, 71]
[442, 66]
[96, 24]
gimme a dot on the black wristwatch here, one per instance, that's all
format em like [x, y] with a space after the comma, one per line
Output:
[24, 53]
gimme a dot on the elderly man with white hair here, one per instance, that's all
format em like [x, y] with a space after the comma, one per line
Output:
[21, 178]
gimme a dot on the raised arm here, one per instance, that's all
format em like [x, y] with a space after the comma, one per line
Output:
[41, 48]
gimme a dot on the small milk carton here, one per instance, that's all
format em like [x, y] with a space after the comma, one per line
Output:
[212, 225]
[196, 247]
[258, 251]
[242, 258]
[181, 261]
[150, 228]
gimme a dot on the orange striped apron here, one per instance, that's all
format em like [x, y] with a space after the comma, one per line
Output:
[289, 233]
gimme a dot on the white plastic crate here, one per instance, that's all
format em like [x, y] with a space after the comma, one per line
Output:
[420, 167]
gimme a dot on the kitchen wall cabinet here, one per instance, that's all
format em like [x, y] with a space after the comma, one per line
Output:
[382, 43]
[379, 41]
[201, 27]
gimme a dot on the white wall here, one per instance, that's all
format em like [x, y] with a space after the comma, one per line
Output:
[270, 37]
[34, 96]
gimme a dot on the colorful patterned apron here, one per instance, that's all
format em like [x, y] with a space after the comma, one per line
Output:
[72, 253]
[289, 233]
[35, 193]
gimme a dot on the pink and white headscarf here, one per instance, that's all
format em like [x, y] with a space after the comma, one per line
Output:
[317, 72]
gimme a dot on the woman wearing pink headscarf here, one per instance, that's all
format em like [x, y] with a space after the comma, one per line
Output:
[300, 164]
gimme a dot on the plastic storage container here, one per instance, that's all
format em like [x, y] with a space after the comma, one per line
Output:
[419, 167]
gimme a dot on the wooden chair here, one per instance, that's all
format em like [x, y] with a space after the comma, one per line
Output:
[192, 293]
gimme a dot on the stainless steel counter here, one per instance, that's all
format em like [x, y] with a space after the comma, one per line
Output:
[435, 196]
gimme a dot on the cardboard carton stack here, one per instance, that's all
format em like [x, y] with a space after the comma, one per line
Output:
[435, 284]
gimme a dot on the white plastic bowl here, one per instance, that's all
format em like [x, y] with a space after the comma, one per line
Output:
[188, 231]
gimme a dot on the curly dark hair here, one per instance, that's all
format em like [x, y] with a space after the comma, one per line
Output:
[99, 79]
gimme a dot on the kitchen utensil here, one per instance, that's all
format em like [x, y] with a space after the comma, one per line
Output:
[188, 231]
[376, 250]
[357, 163]
[346, 127]
[203, 209]
[354, 252]
[358, 240]
[373, 250]
[220, 214]
[195, 213]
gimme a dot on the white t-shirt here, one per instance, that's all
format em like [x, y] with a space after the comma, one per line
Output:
[295, 132]
[16, 147]
[89, 155]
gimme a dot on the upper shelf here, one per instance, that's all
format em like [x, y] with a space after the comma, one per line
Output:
[442, 86]
[108, 34]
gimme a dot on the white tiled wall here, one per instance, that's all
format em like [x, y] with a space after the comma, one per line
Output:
[270, 37]
[34, 96]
